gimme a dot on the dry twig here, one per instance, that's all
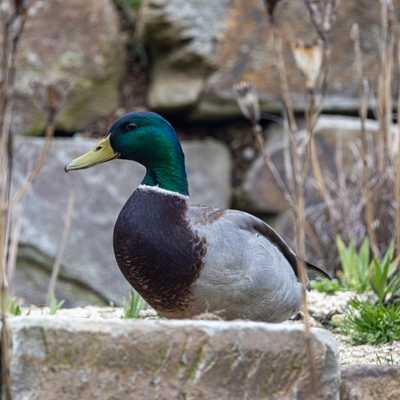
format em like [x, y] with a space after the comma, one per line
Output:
[50, 99]
[13, 16]
[296, 151]
[61, 249]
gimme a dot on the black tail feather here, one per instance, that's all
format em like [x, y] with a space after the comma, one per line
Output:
[314, 272]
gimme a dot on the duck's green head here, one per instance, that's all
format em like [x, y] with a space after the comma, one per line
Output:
[148, 139]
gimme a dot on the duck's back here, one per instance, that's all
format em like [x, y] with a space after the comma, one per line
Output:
[244, 273]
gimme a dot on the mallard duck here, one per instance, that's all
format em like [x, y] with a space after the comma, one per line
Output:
[188, 260]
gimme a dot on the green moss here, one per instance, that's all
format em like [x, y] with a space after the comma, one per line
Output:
[62, 353]
[194, 366]
[89, 97]
[87, 100]
[135, 4]
[326, 286]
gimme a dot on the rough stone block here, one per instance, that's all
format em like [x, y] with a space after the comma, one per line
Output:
[69, 359]
[366, 382]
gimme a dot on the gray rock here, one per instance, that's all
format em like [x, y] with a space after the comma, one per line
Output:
[78, 42]
[370, 383]
[71, 358]
[182, 36]
[202, 48]
[261, 193]
[89, 272]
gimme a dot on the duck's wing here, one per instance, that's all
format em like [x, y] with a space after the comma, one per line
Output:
[234, 219]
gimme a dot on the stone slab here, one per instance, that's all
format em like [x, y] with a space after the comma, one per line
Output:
[54, 358]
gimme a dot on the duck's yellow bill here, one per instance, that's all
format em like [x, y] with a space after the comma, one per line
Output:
[101, 153]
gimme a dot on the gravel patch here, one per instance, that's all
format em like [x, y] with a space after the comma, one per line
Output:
[324, 307]
[384, 354]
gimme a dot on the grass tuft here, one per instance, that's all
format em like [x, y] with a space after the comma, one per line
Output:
[12, 306]
[132, 306]
[386, 359]
[368, 323]
[54, 304]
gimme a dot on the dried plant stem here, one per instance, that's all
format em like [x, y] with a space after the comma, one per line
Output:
[322, 15]
[61, 249]
[363, 113]
[385, 82]
[5, 337]
[367, 194]
[260, 143]
[13, 23]
[397, 186]
[287, 100]
[312, 115]
[315, 18]
[13, 28]
[40, 160]
[298, 185]
[385, 115]
[289, 113]
[5, 334]
[397, 181]
[13, 247]
[300, 247]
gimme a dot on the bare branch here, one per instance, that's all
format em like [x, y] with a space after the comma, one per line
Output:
[50, 99]
[271, 5]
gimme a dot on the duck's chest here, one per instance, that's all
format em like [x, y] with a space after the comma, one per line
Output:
[157, 251]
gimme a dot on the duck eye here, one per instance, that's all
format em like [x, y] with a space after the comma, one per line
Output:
[130, 127]
[97, 148]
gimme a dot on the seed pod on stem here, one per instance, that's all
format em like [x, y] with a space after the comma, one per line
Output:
[248, 101]
[309, 59]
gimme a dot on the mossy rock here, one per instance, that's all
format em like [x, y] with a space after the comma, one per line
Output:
[78, 43]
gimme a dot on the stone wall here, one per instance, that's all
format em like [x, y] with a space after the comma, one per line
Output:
[209, 46]
[98, 355]
[184, 57]
[75, 42]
